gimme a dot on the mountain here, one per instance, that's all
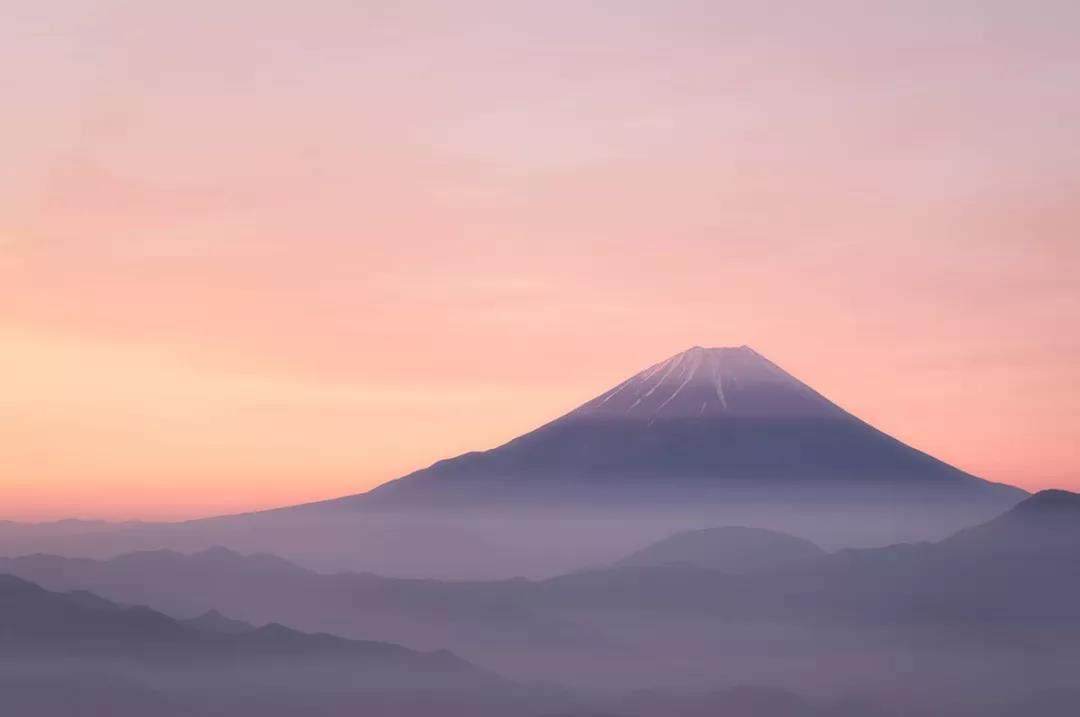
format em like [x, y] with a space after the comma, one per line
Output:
[989, 612]
[38, 623]
[707, 437]
[74, 653]
[717, 425]
[1021, 567]
[479, 616]
[1013, 578]
[67, 653]
[1015, 575]
[731, 549]
[214, 622]
[1007, 588]
[1046, 524]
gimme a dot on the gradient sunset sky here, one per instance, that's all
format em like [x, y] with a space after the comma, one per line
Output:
[255, 253]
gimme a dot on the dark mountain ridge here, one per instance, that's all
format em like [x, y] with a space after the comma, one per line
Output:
[35, 622]
[964, 594]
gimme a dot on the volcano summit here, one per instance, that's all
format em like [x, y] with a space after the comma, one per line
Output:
[706, 426]
[707, 438]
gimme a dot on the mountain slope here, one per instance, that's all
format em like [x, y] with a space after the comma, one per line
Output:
[1017, 570]
[65, 653]
[1047, 524]
[713, 425]
[213, 621]
[708, 437]
[38, 623]
[1027, 555]
[731, 549]
[1009, 587]
[263, 589]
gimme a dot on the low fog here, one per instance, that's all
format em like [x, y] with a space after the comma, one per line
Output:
[487, 543]
[980, 620]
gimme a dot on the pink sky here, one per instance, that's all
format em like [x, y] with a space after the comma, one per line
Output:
[255, 253]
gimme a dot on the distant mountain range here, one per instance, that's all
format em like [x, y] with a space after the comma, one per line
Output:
[732, 549]
[1010, 584]
[38, 624]
[64, 653]
[263, 588]
[718, 425]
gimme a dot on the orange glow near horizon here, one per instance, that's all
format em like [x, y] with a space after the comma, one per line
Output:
[251, 258]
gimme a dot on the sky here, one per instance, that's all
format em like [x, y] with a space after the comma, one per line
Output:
[254, 253]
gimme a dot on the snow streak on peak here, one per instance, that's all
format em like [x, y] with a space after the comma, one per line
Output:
[710, 382]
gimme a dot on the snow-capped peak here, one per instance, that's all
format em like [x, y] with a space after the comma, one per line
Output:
[709, 382]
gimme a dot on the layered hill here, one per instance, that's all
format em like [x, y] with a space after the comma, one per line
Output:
[1008, 587]
[39, 625]
[730, 549]
[64, 653]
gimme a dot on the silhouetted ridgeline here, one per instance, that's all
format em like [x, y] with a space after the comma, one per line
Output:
[990, 609]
